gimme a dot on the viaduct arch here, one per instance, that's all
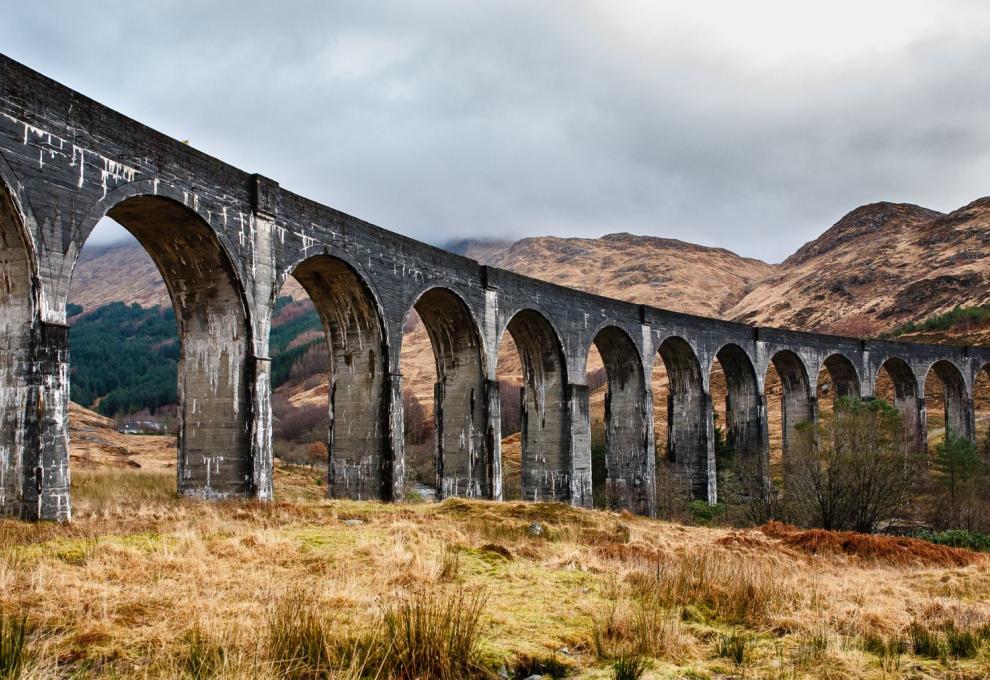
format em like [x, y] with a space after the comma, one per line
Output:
[226, 241]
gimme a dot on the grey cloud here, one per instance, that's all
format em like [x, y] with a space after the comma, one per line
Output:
[448, 119]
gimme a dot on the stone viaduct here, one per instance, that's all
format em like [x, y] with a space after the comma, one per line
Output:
[226, 241]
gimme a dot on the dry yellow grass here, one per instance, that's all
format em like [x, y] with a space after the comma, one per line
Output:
[140, 575]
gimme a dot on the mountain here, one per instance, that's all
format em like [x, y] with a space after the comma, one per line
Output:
[878, 267]
[661, 272]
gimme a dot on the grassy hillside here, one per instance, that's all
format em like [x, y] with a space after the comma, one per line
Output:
[144, 584]
[125, 357]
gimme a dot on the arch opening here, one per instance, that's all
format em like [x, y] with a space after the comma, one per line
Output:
[534, 389]
[837, 378]
[981, 407]
[626, 479]
[464, 447]
[213, 392]
[680, 426]
[346, 366]
[740, 446]
[789, 403]
[16, 321]
[897, 385]
[947, 403]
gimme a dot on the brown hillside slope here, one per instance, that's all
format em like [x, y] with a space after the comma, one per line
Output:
[655, 271]
[881, 265]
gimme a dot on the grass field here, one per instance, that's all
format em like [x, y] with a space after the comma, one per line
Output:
[145, 584]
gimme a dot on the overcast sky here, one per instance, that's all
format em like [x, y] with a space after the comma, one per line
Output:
[748, 125]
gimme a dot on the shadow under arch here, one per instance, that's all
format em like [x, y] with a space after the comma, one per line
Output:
[546, 468]
[958, 407]
[845, 378]
[908, 400]
[746, 435]
[629, 465]
[360, 463]
[215, 456]
[797, 403]
[18, 312]
[465, 443]
[687, 423]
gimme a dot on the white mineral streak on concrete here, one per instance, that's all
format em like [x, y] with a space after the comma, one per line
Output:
[55, 146]
[116, 171]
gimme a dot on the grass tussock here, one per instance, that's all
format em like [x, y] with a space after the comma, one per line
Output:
[300, 643]
[434, 634]
[724, 586]
[14, 656]
[629, 668]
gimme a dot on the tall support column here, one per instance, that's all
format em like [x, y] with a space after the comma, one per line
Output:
[704, 479]
[394, 457]
[264, 207]
[917, 427]
[746, 432]
[647, 500]
[796, 407]
[579, 419]
[690, 432]
[45, 490]
[764, 442]
[969, 420]
[261, 427]
[493, 440]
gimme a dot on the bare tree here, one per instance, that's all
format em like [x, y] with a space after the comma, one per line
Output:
[418, 425]
[852, 469]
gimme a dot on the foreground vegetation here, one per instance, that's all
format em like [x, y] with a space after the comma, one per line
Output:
[144, 584]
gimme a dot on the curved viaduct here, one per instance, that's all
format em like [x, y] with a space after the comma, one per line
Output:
[226, 241]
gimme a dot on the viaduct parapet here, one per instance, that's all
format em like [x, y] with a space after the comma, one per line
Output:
[226, 241]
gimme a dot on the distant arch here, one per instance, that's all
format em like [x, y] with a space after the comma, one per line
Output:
[464, 441]
[907, 399]
[958, 407]
[18, 312]
[629, 465]
[845, 377]
[214, 393]
[546, 468]
[746, 435]
[686, 422]
[797, 403]
[360, 465]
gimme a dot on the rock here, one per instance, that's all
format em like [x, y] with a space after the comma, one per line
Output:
[354, 522]
[535, 529]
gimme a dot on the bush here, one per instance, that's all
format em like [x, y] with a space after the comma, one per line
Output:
[705, 513]
[958, 538]
[852, 470]
[299, 422]
[963, 476]
[958, 316]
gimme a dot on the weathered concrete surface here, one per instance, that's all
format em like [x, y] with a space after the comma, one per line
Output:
[226, 241]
